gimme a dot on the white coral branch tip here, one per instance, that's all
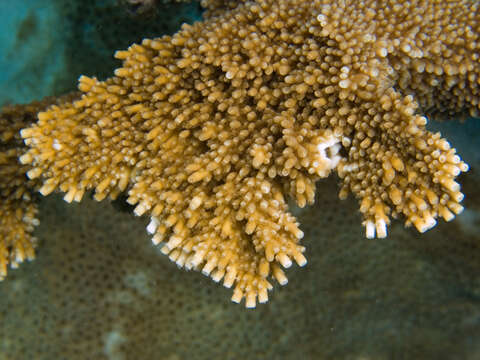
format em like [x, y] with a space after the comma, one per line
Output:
[153, 225]
[375, 229]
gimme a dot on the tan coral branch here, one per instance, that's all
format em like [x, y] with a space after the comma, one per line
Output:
[18, 209]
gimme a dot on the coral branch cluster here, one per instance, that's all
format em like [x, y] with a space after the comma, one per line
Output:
[211, 130]
[17, 206]
[17, 210]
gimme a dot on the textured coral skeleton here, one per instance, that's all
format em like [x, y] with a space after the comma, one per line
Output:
[211, 130]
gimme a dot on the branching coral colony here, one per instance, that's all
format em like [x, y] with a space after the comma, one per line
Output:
[210, 130]
[17, 205]
[17, 208]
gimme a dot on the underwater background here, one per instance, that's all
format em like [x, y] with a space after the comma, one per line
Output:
[99, 289]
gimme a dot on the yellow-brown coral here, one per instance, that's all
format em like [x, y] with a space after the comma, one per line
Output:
[210, 130]
[18, 208]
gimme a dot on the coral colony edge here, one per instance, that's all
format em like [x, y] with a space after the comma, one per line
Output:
[211, 130]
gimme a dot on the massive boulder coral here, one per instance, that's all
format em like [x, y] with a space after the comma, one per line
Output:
[211, 130]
